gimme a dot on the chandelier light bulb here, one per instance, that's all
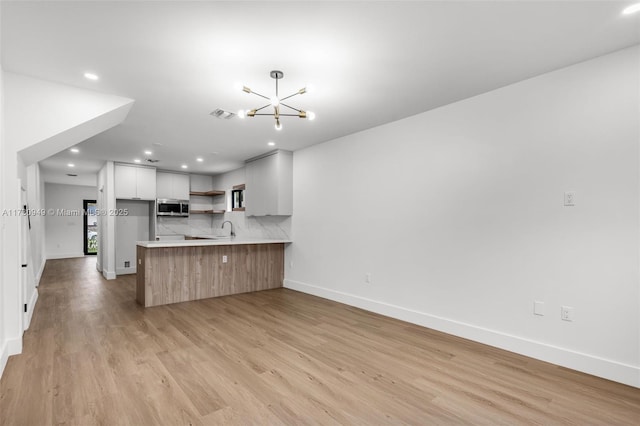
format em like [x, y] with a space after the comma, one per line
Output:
[275, 101]
[311, 115]
[278, 126]
[241, 113]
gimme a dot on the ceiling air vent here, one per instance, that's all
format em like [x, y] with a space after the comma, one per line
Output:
[72, 175]
[152, 160]
[220, 113]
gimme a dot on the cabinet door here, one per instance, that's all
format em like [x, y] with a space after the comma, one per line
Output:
[269, 188]
[163, 185]
[180, 186]
[260, 187]
[146, 183]
[125, 182]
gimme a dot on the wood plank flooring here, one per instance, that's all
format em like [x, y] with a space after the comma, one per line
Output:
[93, 356]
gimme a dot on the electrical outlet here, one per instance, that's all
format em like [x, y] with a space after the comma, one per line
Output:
[224, 259]
[367, 278]
[566, 313]
[127, 263]
[570, 198]
[538, 308]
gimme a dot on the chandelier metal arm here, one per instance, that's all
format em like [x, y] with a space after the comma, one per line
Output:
[263, 107]
[291, 96]
[262, 96]
[281, 115]
[290, 107]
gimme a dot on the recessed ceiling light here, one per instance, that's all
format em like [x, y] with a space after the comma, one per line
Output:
[147, 152]
[184, 166]
[90, 76]
[631, 9]
[137, 160]
[71, 165]
[271, 143]
[74, 150]
[199, 159]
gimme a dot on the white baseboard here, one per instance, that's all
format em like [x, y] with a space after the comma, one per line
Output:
[64, 255]
[40, 272]
[605, 368]
[8, 348]
[30, 308]
[109, 275]
[4, 357]
[125, 271]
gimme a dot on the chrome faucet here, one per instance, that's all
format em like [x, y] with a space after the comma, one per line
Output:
[233, 234]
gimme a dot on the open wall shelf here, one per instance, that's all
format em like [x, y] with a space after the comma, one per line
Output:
[207, 212]
[207, 193]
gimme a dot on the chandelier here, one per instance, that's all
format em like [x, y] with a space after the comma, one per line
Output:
[277, 103]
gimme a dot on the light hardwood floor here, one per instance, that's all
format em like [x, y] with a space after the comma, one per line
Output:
[93, 356]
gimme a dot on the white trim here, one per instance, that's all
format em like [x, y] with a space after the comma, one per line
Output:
[125, 271]
[9, 347]
[4, 357]
[109, 275]
[590, 364]
[30, 308]
[64, 255]
[40, 272]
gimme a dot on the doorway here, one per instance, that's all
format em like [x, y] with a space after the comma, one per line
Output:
[90, 226]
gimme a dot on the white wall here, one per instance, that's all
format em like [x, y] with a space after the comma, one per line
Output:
[458, 215]
[64, 233]
[4, 350]
[106, 257]
[132, 225]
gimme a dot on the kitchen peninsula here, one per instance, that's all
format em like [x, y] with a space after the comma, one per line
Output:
[180, 271]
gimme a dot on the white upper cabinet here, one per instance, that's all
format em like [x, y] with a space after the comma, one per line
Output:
[135, 183]
[173, 186]
[269, 184]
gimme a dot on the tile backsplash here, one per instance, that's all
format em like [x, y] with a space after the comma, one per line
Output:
[270, 227]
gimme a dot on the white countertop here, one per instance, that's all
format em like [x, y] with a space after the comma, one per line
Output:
[220, 241]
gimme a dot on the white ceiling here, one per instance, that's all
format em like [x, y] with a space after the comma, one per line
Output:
[369, 62]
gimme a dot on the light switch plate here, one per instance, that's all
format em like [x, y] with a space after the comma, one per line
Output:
[538, 308]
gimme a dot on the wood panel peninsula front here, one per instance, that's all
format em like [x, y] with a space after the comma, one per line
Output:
[179, 271]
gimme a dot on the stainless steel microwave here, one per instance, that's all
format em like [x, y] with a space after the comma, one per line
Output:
[167, 207]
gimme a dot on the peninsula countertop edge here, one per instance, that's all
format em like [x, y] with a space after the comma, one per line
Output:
[211, 242]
